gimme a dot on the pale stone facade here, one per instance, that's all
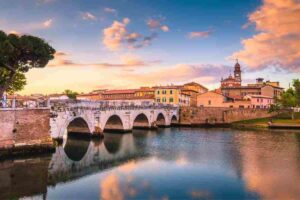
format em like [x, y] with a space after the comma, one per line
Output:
[98, 117]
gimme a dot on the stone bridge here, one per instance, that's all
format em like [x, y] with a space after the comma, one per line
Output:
[95, 117]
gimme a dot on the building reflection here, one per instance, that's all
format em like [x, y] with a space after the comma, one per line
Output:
[246, 163]
[271, 164]
[26, 177]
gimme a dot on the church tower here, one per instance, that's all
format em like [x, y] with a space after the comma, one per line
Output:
[237, 72]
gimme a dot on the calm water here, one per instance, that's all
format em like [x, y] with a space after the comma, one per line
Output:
[176, 163]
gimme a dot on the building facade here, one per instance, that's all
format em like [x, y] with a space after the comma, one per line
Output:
[171, 95]
[193, 89]
[260, 101]
[232, 86]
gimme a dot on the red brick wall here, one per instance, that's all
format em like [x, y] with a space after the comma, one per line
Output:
[24, 126]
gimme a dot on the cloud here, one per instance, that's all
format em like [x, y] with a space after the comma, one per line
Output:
[88, 16]
[199, 34]
[60, 59]
[48, 23]
[126, 61]
[164, 28]
[117, 36]
[114, 36]
[156, 24]
[277, 42]
[110, 10]
[204, 73]
[14, 32]
[38, 25]
[111, 188]
[153, 23]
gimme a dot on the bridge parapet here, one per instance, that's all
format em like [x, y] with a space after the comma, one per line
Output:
[103, 106]
[99, 116]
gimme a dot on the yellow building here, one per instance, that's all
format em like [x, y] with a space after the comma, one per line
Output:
[171, 95]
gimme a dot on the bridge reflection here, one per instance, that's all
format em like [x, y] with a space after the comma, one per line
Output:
[82, 157]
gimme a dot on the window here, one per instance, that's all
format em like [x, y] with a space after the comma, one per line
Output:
[157, 100]
[164, 99]
[171, 91]
[209, 102]
[164, 92]
[157, 91]
[171, 99]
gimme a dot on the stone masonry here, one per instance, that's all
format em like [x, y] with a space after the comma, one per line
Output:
[24, 127]
[202, 115]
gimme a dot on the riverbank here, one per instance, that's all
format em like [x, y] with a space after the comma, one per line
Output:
[280, 121]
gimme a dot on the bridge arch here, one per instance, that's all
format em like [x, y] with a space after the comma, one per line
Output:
[141, 121]
[174, 120]
[161, 120]
[78, 125]
[113, 123]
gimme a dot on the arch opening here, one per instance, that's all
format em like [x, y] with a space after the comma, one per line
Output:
[141, 122]
[113, 142]
[78, 127]
[160, 120]
[174, 120]
[75, 148]
[114, 124]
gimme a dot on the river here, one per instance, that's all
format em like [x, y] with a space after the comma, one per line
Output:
[171, 163]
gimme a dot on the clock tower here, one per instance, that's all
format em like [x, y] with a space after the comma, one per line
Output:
[237, 72]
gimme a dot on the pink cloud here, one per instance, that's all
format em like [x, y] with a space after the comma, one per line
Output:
[278, 41]
[199, 34]
[88, 16]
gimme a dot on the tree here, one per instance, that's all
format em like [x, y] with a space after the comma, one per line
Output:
[296, 84]
[290, 98]
[71, 94]
[19, 54]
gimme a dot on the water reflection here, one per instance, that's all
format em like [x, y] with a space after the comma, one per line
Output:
[75, 148]
[112, 142]
[173, 163]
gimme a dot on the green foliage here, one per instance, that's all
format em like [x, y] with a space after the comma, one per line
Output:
[296, 84]
[288, 98]
[71, 94]
[19, 54]
[291, 97]
[275, 108]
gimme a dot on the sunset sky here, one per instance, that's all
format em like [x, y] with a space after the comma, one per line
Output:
[130, 43]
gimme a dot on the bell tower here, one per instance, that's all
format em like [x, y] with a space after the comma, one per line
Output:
[237, 71]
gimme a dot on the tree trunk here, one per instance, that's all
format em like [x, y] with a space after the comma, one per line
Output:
[4, 87]
[293, 116]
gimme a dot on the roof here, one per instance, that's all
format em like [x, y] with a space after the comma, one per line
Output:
[260, 96]
[56, 95]
[128, 91]
[194, 83]
[168, 87]
[249, 87]
[145, 97]
[215, 92]
[88, 94]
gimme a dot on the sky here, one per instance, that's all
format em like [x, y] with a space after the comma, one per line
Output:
[118, 44]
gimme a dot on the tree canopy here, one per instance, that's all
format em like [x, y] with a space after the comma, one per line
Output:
[291, 97]
[19, 54]
[71, 94]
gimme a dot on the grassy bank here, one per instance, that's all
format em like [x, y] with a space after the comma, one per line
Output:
[284, 118]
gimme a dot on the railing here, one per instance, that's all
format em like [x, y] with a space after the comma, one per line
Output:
[105, 105]
[24, 104]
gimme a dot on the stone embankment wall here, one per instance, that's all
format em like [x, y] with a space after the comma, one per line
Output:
[24, 127]
[202, 115]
